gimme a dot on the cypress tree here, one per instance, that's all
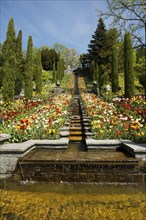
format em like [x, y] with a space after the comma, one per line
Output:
[9, 63]
[58, 78]
[39, 73]
[114, 69]
[1, 65]
[29, 70]
[54, 72]
[62, 68]
[128, 66]
[19, 69]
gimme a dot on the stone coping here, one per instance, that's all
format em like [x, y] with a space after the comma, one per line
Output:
[136, 147]
[136, 150]
[93, 142]
[24, 146]
[4, 137]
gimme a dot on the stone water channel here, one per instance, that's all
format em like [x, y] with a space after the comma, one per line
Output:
[78, 163]
[78, 182]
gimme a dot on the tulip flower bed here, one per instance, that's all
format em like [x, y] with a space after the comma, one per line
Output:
[119, 119]
[34, 119]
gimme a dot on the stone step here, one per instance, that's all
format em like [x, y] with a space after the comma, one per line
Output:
[75, 138]
[76, 128]
[81, 171]
[76, 132]
[76, 121]
[75, 125]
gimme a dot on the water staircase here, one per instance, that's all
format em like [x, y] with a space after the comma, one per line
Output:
[76, 163]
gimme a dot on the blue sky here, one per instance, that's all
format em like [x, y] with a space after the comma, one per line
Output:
[68, 22]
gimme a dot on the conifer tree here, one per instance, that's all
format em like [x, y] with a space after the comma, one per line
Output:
[62, 68]
[29, 70]
[99, 51]
[97, 74]
[19, 68]
[39, 73]
[58, 77]
[97, 45]
[54, 72]
[93, 69]
[9, 63]
[1, 65]
[128, 66]
[114, 69]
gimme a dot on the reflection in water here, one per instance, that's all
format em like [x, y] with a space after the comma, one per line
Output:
[72, 201]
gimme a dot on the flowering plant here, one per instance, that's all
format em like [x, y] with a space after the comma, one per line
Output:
[36, 119]
[119, 119]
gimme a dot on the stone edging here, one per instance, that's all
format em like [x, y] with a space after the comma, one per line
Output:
[10, 153]
[135, 150]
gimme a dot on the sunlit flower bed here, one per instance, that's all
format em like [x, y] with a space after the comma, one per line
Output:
[119, 119]
[36, 119]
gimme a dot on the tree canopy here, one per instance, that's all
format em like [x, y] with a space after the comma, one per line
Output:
[127, 15]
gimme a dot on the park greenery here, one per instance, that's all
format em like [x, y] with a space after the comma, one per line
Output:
[112, 59]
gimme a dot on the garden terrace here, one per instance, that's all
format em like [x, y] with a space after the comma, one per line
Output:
[76, 150]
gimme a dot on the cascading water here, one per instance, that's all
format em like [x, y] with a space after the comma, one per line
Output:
[76, 163]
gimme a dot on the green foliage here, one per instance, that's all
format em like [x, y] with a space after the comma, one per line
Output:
[58, 77]
[19, 64]
[60, 70]
[128, 66]
[54, 73]
[64, 81]
[92, 70]
[46, 76]
[120, 56]
[9, 66]
[97, 44]
[140, 70]
[29, 70]
[1, 68]
[49, 56]
[38, 72]
[59, 47]
[114, 69]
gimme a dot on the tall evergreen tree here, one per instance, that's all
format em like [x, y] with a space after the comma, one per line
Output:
[1, 65]
[9, 63]
[54, 72]
[58, 77]
[29, 70]
[99, 52]
[98, 43]
[62, 67]
[92, 70]
[114, 68]
[128, 66]
[97, 74]
[19, 66]
[39, 73]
